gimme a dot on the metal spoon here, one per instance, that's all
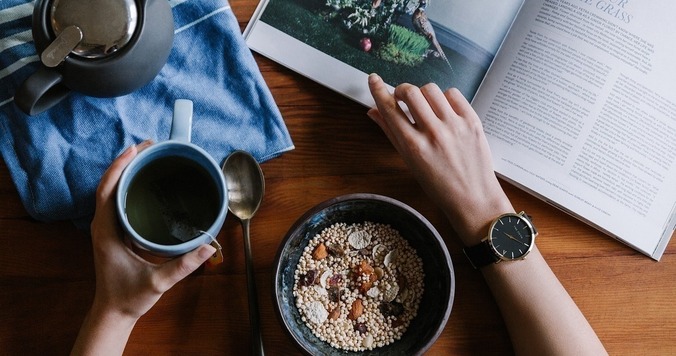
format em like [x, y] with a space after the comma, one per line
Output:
[246, 186]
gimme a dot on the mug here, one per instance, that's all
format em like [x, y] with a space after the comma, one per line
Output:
[172, 197]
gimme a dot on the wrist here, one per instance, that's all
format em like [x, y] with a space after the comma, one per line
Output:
[104, 330]
[104, 313]
[474, 220]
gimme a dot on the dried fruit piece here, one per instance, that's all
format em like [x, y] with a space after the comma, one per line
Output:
[308, 279]
[320, 252]
[335, 280]
[359, 239]
[334, 294]
[391, 308]
[323, 280]
[365, 286]
[396, 322]
[365, 268]
[357, 310]
[353, 275]
[361, 328]
[335, 250]
[335, 313]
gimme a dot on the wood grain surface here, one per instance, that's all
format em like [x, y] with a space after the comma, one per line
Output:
[47, 275]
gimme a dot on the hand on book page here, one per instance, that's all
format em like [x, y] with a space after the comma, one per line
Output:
[446, 149]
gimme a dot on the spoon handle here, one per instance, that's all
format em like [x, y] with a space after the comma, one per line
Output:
[254, 318]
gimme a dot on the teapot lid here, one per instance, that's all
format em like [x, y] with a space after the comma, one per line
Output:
[106, 25]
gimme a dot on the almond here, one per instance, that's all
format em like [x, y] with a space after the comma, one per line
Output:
[320, 252]
[335, 313]
[356, 310]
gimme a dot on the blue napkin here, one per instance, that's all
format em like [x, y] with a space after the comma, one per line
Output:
[56, 159]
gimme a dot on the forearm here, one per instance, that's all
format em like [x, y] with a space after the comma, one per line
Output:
[541, 317]
[103, 332]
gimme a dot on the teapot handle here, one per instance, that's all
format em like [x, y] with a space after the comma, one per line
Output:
[41, 91]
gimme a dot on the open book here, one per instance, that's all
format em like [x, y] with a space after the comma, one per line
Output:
[577, 97]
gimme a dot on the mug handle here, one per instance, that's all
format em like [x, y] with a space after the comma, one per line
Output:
[39, 92]
[181, 124]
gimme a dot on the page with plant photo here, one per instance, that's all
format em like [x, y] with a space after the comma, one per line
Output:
[339, 42]
[580, 109]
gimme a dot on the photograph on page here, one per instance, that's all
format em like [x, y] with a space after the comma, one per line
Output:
[449, 42]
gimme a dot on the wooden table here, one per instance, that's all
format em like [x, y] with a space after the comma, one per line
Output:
[47, 278]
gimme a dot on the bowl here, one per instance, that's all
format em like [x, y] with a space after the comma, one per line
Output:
[439, 280]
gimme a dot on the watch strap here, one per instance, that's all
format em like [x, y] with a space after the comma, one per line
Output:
[480, 255]
[530, 220]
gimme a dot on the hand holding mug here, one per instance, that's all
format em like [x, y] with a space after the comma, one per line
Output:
[173, 197]
[127, 286]
[125, 281]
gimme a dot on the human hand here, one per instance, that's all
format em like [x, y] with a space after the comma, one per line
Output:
[127, 284]
[447, 151]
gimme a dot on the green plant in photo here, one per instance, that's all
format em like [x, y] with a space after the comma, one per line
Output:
[403, 47]
[339, 4]
[366, 17]
[360, 18]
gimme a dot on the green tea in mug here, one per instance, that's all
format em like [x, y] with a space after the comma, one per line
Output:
[172, 200]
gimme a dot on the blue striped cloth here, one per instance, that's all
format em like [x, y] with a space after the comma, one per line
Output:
[56, 159]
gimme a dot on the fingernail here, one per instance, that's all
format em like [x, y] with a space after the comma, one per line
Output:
[373, 78]
[206, 251]
[370, 114]
[127, 151]
[145, 143]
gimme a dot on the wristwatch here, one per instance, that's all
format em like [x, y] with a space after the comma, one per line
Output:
[510, 237]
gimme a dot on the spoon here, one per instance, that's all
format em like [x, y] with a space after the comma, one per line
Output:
[246, 186]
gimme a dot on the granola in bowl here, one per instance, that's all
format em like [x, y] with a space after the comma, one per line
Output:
[358, 286]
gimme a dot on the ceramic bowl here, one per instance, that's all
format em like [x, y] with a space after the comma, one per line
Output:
[437, 298]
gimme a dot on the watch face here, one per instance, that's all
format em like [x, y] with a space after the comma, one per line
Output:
[512, 236]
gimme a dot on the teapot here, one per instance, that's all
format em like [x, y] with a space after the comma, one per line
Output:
[100, 48]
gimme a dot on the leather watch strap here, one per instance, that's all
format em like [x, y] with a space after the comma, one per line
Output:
[480, 255]
[530, 220]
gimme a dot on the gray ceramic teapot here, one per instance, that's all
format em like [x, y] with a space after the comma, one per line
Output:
[101, 48]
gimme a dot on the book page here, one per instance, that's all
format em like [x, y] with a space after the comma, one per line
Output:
[580, 109]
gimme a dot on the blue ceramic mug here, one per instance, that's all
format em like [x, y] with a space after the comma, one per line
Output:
[172, 197]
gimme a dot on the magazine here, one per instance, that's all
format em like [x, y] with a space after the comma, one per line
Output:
[577, 97]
